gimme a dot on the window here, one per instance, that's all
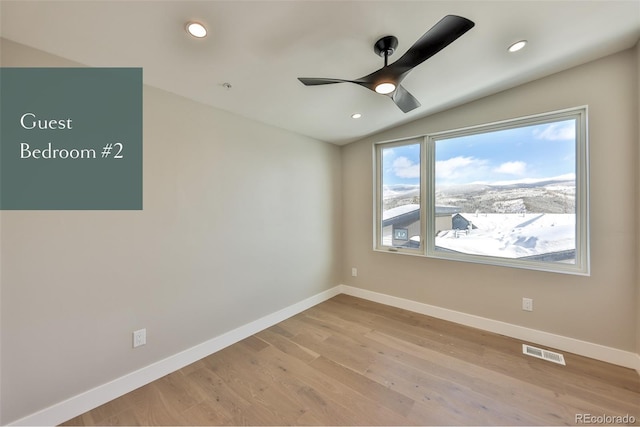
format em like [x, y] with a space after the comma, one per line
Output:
[401, 221]
[513, 193]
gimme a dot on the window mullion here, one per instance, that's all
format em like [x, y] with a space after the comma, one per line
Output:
[427, 194]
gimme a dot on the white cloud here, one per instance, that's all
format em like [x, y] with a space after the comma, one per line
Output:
[405, 168]
[557, 131]
[460, 169]
[512, 168]
[455, 164]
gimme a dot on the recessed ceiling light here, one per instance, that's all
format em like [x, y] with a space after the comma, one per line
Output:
[196, 29]
[385, 88]
[356, 115]
[517, 46]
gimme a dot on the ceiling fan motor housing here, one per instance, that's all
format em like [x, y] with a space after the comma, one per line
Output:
[386, 46]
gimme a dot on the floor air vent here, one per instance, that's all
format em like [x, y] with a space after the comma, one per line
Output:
[543, 354]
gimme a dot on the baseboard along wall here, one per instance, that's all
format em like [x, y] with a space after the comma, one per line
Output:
[572, 345]
[81, 403]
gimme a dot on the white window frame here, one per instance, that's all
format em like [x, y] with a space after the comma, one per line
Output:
[427, 193]
[377, 200]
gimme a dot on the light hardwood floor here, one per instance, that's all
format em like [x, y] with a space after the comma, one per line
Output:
[349, 361]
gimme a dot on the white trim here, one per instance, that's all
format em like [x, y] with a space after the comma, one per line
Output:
[572, 345]
[377, 194]
[79, 404]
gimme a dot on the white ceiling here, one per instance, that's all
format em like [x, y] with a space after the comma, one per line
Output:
[261, 48]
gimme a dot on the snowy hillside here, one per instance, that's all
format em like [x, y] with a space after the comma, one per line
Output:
[399, 195]
[553, 195]
[549, 196]
[534, 218]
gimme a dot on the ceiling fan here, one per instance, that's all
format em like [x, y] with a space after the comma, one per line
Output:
[387, 79]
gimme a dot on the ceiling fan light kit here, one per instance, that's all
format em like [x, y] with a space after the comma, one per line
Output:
[385, 88]
[387, 80]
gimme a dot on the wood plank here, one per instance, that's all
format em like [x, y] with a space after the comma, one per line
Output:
[349, 361]
[287, 346]
[337, 403]
[387, 397]
[243, 375]
[219, 396]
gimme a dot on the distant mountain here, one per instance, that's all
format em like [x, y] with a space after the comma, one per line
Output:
[400, 195]
[548, 196]
[553, 195]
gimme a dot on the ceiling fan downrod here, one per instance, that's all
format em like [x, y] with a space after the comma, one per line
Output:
[385, 47]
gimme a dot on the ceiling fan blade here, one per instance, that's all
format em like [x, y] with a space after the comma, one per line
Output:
[310, 81]
[445, 32]
[404, 100]
[442, 34]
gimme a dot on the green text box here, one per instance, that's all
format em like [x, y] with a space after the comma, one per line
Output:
[71, 138]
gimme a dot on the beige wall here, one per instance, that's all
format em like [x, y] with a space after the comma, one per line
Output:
[212, 248]
[638, 199]
[240, 220]
[601, 308]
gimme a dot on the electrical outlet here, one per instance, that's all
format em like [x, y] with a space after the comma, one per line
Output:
[527, 304]
[139, 337]
[354, 272]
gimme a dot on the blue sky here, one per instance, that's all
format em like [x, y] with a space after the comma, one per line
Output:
[526, 153]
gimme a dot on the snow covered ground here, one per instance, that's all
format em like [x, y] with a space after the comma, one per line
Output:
[505, 232]
[512, 235]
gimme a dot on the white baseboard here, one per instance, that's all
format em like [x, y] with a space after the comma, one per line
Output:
[76, 405]
[572, 345]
